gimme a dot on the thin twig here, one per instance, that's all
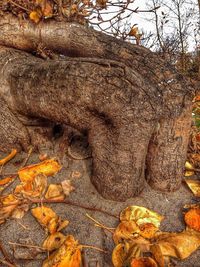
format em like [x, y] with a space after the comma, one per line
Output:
[26, 246]
[27, 158]
[99, 224]
[95, 248]
[67, 202]
[5, 254]
[16, 4]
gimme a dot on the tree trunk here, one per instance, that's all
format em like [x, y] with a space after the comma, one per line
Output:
[134, 109]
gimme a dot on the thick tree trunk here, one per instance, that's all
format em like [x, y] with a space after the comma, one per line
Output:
[133, 107]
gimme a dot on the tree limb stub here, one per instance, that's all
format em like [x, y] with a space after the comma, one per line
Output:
[122, 95]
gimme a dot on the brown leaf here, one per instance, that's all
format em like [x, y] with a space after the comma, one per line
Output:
[54, 241]
[67, 187]
[55, 192]
[194, 186]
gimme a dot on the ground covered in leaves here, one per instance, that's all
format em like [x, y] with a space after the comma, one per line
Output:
[28, 232]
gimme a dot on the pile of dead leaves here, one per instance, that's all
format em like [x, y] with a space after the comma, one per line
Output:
[140, 243]
[33, 188]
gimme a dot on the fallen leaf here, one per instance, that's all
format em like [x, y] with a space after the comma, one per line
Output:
[48, 167]
[68, 255]
[148, 230]
[54, 241]
[143, 262]
[141, 215]
[67, 187]
[9, 157]
[126, 230]
[6, 180]
[178, 245]
[55, 192]
[157, 255]
[189, 166]
[188, 173]
[48, 219]
[36, 15]
[34, 188]
[192, 218]
[194, 186]
[121, 253]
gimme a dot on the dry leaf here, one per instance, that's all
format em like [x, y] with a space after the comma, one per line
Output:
[194, 185]
[9, 157]
[157, 255]
[49, 219]
[68, 255]
[192, 218]
[126, 230]
[148, 230]
[55, 192]
[6, 180]
[143, 262]
[48, 167]
[141, 215]
[188, 173]
[34, 188]
[178, 245]
[36, 16]
[67, 187]
[189, 166]
[54, 241]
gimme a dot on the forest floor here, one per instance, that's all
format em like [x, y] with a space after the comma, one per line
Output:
[28, 230]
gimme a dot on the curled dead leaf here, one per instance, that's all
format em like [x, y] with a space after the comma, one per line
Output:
[54, 241]
[143, 262]
[68, 255]
[9, 157]
[179, 245]
[122, 253]
[189, 166]
[33, 188]
[48, 219]
[48, 167]
[55, 192]
[126, 230]
[192, 218]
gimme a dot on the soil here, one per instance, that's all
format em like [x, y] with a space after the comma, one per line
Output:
[27, 229]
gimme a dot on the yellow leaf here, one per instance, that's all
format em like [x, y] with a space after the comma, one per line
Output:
[178, 245]
[48, 167]
[9, 157]
[49, 219]
[68, 255]
[192, 218]
[188, 173]
[189, 166]
[35, 16]
[55, 192]
[54, 241]
[141, 215]
[46, 217]
[194, 185]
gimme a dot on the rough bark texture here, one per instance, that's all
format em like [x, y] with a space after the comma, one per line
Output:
[133, 107]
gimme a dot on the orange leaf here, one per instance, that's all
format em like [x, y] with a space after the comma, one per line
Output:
[192, 218]
[48, 167]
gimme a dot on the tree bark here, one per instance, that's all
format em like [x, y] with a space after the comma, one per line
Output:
[134, 108]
